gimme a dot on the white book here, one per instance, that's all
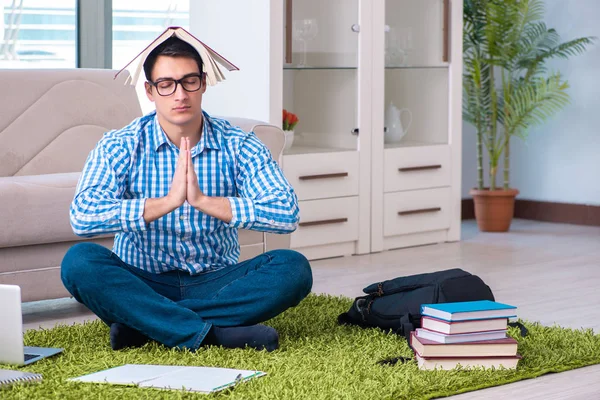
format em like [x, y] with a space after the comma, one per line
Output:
[194, 379]
[428, 363]
[437, 325]
[461, 337]
[9, 377]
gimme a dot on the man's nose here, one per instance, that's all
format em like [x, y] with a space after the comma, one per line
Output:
[180, 92]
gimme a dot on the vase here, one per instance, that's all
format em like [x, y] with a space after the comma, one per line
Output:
[494, 209]
[289, 139]
[395, 130]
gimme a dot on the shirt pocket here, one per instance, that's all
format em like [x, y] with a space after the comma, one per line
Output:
[216, 177]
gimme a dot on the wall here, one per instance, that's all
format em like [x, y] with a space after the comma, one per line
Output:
[560, 160]
[232, 27]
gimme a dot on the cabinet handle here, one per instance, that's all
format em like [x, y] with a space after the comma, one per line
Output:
[324, 222]
[355, 28]
[323, 176]
[288, 31]
[446, 29]
[420, 211]
[354, 131]
[420, 168]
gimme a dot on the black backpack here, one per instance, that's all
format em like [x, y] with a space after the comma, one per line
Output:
[396, 304]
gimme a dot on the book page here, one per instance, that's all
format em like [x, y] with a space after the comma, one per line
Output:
[129, 374]
[200, 379]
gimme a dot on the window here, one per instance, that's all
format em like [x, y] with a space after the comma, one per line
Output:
[137, 22]
[38, 34]
[43, 33]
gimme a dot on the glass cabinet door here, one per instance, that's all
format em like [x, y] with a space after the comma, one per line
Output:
[416, 73]
[320, 77]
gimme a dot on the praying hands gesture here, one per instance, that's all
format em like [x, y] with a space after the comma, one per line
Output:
[185, 181]
[184, 186]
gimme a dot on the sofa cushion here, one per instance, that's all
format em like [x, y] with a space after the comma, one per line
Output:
[35, 209]
[53, 118]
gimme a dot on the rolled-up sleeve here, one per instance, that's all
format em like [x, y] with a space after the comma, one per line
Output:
[98, 206]
[266, 201]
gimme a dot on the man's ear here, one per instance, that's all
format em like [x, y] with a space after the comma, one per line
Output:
[149, 93]
[204, 82]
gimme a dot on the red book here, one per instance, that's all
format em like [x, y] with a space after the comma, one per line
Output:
[486, 348]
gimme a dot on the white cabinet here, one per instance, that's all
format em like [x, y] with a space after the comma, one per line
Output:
[417, 72]
[326, 84]
[376, 85]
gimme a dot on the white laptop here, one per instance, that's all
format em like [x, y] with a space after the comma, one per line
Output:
[12, 350]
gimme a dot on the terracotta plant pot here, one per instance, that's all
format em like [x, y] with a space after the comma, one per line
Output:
[494, 209]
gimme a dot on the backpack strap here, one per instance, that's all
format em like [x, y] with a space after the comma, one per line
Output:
[406, 326]
[395, 360]
[522, 328]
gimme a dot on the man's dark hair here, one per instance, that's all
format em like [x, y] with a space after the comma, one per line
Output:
[172, 47]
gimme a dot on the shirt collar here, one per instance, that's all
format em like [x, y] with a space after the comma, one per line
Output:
[158, 135]
[210, 139]
[211, 136]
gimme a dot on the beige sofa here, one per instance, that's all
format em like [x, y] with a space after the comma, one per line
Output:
[50, 121]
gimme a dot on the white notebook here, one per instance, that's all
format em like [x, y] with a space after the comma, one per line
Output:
[195, 379]
[8, 377]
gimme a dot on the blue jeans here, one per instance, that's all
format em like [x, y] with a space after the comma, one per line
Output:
[176, 308]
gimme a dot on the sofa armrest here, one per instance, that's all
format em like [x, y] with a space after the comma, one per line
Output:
[271, 135]
[35, 208]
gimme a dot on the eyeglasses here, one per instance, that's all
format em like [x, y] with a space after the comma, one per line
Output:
[166, 87]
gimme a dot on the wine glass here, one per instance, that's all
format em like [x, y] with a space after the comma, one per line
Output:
[397, 43]
[304, 30]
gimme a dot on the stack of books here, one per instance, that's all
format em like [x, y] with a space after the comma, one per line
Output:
[469, 334]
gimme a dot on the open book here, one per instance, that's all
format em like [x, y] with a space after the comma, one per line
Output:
[210, 58]
[194, 379]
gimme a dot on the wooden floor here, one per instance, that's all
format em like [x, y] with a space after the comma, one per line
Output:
[550, 271]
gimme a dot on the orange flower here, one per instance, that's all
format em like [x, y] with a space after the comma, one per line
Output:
[289, 120]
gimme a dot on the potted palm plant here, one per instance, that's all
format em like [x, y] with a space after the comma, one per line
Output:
[508, 89]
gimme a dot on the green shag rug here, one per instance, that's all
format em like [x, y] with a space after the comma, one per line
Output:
[317, 359]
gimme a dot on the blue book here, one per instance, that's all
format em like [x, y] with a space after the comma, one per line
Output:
[468, 310]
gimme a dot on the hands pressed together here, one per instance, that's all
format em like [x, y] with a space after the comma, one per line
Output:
[184, 187]
[185, 181]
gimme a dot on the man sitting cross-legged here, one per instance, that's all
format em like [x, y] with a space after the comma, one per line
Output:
[175, 186]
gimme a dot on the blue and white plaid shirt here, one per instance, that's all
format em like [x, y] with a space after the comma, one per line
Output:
[138, 162]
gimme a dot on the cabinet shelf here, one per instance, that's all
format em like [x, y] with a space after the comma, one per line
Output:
[308, 149]
[413, 143]
[324, 67]
[441, 66]
[315, 68]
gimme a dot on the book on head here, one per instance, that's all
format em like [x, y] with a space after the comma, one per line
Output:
[194, 379]
[9, 377]
[210, 58]
[468, 310]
